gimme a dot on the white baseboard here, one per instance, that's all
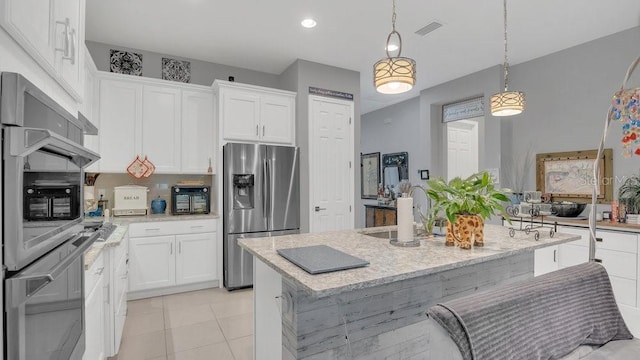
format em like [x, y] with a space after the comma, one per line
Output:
[135, 295]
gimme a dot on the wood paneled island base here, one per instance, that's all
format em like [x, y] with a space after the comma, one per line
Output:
[377, 312]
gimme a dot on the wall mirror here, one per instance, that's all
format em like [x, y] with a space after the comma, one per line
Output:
[395, 167]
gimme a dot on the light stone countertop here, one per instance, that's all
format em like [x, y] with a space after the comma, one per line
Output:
[389, 263]
[123, 223]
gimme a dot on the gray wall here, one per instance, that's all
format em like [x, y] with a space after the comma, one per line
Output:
[202, 72]
[568, 94]
[393, 129]
[298, 77]
[425, 136]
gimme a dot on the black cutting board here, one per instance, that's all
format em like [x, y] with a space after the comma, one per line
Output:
[320, 259]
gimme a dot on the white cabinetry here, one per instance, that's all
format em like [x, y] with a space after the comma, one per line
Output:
[198, 131]
[267, 307]
[120, 124]
[161, 127]
[52, 33]
[170, 124]
[94, 310]
[256, 114]
[116, 309]
[545, 260]
[170, 254]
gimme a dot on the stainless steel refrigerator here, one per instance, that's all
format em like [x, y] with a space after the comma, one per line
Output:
[261, 197]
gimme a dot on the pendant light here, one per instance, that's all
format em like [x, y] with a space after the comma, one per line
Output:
[394, 75]
[507, 103]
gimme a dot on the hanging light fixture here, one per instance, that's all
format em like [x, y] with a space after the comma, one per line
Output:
[394, 75]
[507, 103]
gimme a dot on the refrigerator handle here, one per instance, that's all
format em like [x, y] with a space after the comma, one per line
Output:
[264, 188]
[267, 195]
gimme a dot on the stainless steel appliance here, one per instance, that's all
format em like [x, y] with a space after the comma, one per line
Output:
[261, 198]
[190, 199]
[42, 233]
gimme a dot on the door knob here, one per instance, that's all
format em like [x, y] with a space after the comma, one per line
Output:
[318, 208]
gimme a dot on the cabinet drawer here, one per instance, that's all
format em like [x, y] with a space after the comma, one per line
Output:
[617, 241]
[624, 290]
[196, 226]
[93, 274]
[152, 229]
[618, 263]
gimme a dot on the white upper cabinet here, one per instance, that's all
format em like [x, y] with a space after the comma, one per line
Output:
[255, 114]
[52, 33]
[198, 134]
[120, 124]
[276, 115]
[69, 38]
[172, 125]
[240, 115]
[161, 127]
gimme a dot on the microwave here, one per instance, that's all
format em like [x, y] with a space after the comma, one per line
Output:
[190, 200]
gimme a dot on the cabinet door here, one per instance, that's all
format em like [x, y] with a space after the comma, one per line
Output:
[119, 285]
[379, 217]
[70, 67]
[268, 310]
[151, 262]
[389, 217]
[570, 254]
[545, 260]
[240, 114]
[31, 24]
[197, 131]
[276, 117]
[161, 128]
[94, 322]
[196, 260]
[120, 124]
[370, 216]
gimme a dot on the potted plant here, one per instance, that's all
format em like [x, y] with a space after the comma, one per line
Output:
[466, 203]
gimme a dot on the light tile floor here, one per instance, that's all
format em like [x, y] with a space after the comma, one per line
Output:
[206, 324]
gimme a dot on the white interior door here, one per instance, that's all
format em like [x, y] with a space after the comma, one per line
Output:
[331, 169]
[462, 148]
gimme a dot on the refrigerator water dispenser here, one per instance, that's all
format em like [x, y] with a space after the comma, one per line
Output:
[243, 191]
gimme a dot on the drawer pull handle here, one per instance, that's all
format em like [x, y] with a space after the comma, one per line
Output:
[154, 229]
[599, 239]
[197, 226]
[598, 260]
[99, 271]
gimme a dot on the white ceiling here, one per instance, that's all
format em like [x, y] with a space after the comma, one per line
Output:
[267, 36]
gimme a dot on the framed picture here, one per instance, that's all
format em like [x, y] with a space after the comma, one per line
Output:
[369, 175]
[568, 176]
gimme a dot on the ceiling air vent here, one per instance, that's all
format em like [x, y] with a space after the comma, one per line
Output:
[429, 28]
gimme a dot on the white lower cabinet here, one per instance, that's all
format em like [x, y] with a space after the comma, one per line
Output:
[165, 255]
[193, 261]
[545, 260]
[94, 311]
[116, 297]
[152, 262]
[267, 307]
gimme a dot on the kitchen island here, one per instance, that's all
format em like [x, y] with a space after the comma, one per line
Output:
[376, 311]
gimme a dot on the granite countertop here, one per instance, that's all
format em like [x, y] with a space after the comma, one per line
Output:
[123, 223]
[389, 263]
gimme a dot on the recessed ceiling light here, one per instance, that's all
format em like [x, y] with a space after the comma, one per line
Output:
[308, 23]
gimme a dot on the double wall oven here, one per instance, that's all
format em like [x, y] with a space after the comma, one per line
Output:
[42, 234]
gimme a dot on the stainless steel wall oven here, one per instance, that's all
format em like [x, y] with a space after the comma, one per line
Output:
[42, 232]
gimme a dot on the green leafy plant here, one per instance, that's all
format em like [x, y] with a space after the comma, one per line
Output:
[629, 193]
[475, 195]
